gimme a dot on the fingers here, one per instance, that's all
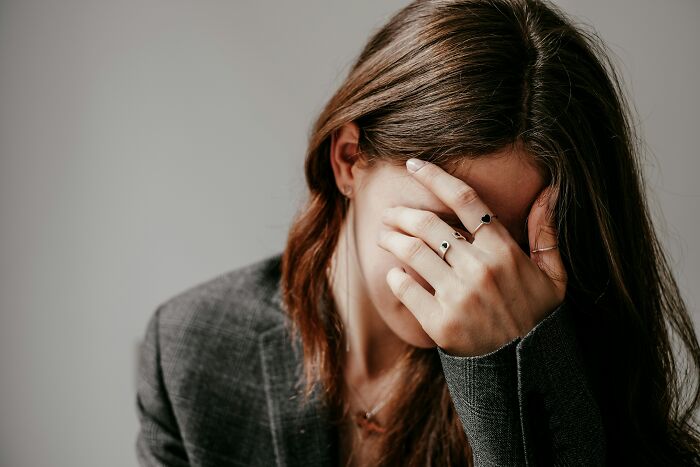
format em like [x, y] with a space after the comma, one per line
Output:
[419, 256]
[419, 302]
[542, 234]
[462, 199]
[429, 227]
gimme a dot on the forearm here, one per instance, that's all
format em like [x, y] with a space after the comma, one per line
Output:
[528, 402]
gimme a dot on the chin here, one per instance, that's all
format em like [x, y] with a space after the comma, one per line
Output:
[424, 343]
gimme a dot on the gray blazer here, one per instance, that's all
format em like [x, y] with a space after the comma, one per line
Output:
[216, 387]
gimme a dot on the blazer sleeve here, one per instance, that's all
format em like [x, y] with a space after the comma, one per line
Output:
[158, 442]
[529, 402]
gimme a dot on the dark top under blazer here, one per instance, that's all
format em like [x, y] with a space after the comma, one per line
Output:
[216, 387]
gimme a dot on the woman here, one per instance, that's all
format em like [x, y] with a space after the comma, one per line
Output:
[474, 279]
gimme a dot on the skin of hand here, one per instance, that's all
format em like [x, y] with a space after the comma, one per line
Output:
[487, 291]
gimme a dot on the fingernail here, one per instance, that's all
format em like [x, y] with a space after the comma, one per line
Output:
[414, 164]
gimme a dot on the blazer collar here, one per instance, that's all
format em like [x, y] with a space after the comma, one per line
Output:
[301, 435]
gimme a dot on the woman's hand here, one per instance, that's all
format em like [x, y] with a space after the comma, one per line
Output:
[487, 292]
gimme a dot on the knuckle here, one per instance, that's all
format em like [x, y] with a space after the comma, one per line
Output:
[414, 248]
[472, 301]
[430, 172]
[485, 273]
[427, 221]
[449, 296]
[455, 295]
[465, 195]
[402, 288]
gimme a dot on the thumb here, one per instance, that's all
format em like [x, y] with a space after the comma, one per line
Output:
[542, 234]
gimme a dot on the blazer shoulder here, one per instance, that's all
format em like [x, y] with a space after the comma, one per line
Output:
[200, 365]
[231, 309]
[245, 297]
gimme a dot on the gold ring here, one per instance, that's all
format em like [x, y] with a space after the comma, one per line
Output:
[444, 246]
[485, 219]
[543, 249]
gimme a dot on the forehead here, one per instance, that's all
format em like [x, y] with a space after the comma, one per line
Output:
[507, 182]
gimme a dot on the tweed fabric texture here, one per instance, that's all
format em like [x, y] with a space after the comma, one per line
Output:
[218, 368]
[529, 402]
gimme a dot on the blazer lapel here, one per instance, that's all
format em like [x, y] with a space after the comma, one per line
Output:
[302, 436]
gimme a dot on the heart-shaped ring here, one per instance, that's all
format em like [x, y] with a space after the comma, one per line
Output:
[485, 219]
[444, 246]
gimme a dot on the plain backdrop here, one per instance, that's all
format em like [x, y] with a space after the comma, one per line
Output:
[147, 146]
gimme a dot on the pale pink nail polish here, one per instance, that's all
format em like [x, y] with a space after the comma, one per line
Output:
[414, 164]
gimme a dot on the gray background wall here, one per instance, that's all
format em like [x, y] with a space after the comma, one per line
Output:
[146, 146]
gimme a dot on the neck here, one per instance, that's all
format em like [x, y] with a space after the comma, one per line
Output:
[374, 347]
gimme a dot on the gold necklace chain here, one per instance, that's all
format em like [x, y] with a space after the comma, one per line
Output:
[374, 410]
[363, 420]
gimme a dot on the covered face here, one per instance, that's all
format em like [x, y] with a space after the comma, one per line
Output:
[507, 181]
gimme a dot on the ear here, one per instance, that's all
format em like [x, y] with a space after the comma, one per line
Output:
[344, 155]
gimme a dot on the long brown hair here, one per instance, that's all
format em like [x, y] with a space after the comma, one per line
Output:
[448, 79]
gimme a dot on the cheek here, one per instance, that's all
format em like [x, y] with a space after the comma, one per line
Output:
[376, 264]
[379, 287]
[376, 282]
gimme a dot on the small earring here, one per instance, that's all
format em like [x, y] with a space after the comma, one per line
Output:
[347, 189]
